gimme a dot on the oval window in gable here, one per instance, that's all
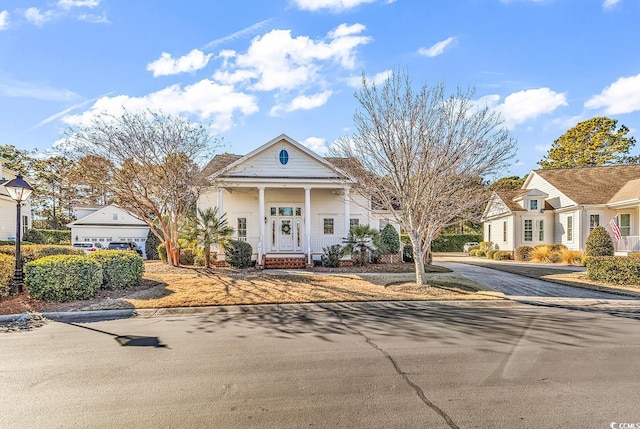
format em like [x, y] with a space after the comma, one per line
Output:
[283, 157]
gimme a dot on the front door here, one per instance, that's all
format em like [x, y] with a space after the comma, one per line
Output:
[286, 234]
[285, 224]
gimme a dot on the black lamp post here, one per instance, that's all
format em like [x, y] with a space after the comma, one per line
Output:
[19, 190]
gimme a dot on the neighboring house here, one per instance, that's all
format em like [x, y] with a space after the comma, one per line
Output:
[286, 200]
[8, 207]
[104, 224]
[563, 205]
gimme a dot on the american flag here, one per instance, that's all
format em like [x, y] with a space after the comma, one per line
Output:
[615, 228]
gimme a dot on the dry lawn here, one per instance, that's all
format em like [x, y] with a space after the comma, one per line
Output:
[196, 287]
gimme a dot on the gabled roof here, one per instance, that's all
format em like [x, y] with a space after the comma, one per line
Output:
[509, 197]
[222, 164]
[93, 218]
[591, 185]
[629, 192]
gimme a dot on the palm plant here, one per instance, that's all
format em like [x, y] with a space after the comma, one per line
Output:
[207, 228]
[361, 243]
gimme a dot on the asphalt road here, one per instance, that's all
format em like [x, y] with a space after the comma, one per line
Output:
[516, 285]
[394, 365]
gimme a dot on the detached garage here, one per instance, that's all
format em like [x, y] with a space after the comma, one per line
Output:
[104, 224]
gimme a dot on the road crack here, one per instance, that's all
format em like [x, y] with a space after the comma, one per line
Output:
[400, 372]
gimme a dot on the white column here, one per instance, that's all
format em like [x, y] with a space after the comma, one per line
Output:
[261, 221]
[307, 222]
[347, 211]
[220, 202]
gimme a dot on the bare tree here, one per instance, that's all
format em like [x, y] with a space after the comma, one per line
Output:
[423, 156]
[155, 175]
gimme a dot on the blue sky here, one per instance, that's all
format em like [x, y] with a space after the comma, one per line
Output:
[255, 69]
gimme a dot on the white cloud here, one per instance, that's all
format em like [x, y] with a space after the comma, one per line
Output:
[303, 102]
[609, 4]
[331, 5]
[622, 96]
[437, 48]
[37, 18]
[94, 19]
[378, 79]
[278, 61]
[39, 91]
[522, 106]
[4, 20]
[542, 148]
[205, 99]
[166, 65]
[68, 4]
[316, 144]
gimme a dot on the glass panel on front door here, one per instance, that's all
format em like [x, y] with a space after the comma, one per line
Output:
[286, 230]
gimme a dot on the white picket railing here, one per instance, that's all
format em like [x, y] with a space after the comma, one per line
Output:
[628, 244]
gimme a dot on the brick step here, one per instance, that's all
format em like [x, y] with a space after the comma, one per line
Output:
[284, 263]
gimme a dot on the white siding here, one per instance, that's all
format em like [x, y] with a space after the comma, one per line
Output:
[497, 232]
[561, 232]
[267, 164]
[556, 198]
[7, 218]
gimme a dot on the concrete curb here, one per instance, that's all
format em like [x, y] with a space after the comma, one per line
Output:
[104, 315]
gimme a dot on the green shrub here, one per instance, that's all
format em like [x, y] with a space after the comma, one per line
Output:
[613, 269]
[7, 268]
[485, 245]
[473, 252]
[502, 255]
[63, 278]
[120, 268]
[238, 254]
[162, 253]
[31, 252]
[199, 260]
[524, 253]
[490, 253]
[151, 246]
[389, 240]
[332, 255]
[48, 236]
[599, 243]
[187, 256]
[480, 253]
[407, 253]
[453, 242]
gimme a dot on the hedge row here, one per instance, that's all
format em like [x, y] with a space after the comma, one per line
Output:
[31, 252]
[620, 270]
[7, 266]
[497, 255]
[70, 277]
[453, 242]
[48, 236]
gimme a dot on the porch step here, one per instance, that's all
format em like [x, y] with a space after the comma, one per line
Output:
[284, 262]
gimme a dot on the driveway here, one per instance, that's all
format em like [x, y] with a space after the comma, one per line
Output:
[516, 285]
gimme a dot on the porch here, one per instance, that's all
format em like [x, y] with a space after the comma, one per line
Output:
[627, 245]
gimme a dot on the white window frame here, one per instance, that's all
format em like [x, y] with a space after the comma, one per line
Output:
[540, 229]
[325, 224]
[529, 230]
[570, 228]
[625, 230]
[533, 204]
[504, 231]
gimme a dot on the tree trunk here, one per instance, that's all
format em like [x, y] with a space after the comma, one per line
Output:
[418, 259]
[173, 253]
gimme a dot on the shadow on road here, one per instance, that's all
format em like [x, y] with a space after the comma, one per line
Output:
[127, 340]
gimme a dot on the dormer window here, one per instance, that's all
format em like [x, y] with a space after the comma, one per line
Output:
[533, 205]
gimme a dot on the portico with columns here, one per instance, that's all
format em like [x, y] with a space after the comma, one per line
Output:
[285, 200]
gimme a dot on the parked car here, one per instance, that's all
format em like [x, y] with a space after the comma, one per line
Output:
[469, 245]
[88, 246]
[125, 245]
